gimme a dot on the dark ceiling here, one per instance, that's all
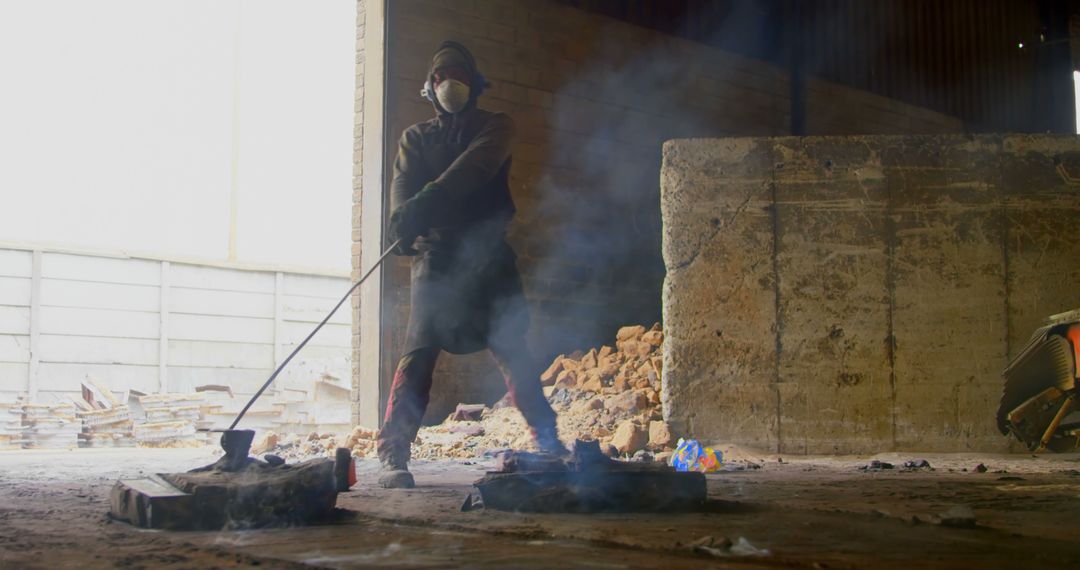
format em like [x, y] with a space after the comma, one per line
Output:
[1000, 65]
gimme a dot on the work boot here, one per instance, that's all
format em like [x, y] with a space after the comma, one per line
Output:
[394, 474]
[547, 441]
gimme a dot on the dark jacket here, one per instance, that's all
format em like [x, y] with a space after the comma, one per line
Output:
[465, 283]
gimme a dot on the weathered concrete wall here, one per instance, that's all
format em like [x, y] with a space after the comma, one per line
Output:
[593, 99]
[860, 294]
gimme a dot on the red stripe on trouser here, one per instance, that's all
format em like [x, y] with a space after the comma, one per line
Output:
[410, 393]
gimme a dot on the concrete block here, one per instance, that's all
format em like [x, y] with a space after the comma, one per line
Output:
[870, 289]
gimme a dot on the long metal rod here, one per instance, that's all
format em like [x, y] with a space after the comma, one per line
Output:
[281, 366]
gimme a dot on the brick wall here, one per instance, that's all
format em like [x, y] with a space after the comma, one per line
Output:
[594, 99]
[358, 172]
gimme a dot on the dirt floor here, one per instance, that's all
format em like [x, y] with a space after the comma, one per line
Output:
[806, 512]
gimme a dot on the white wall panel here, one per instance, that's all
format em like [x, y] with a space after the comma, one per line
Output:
[15, 291]
[221, 354]
[99, 322]
[15, 263]
[203, 277]
[64, 376]
[330, 335]
[100, 269]
[210, 302]
[316, 285]
[242, 381]
[98, 350]
[94, 295]
[301, 372]
[226, 329]
[14, 348]
[13, 376]
[314, 309]
[102, 316]
[14, 320]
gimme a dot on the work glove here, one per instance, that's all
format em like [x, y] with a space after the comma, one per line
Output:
[403, 232]
[413, 219]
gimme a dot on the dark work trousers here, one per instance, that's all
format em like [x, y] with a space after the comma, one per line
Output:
[411, 389]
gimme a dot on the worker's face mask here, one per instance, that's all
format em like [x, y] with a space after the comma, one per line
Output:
[452, 94]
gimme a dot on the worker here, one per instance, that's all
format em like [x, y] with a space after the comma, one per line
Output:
[450, 207]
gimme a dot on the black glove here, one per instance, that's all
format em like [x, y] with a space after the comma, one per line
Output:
[403, 232]
[413, 219]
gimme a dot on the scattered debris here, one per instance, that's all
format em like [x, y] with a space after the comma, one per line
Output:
[468, 413]
[588, 481]
[960, 516]
[692, 456]
[50, 426]
[712, 545]
[609, 395]
[169, 420]
[106, 418]
[724, 547]
[876, 465]
[11, 427]
[917, 464]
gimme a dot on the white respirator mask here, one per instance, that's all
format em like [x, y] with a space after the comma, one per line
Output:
[452, 95]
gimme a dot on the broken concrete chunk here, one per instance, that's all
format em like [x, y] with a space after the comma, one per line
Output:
[627, 402]
[652, 396]
[267, 443]
[584, 406]
[592, 383]
[608, 370]
[620, 383]
[659, 435]
[917, 464]
[549, 375]
[589, 360]
[566, 379]
[654, 338]
[629, 437]
[635, 348]
[630, 333]
[604, 352]
[257, 496]
[876, 465]
[468, 413]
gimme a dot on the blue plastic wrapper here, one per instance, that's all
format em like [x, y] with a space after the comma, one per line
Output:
[691, 456]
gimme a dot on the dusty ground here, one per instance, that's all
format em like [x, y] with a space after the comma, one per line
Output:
[812, 513]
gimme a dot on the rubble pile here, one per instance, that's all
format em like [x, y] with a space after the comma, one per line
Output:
[10, 425]
[169, 420]
[106, 419]
[607, 394]
[50, 426]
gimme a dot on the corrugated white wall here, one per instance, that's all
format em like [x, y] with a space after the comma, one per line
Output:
[153, 325]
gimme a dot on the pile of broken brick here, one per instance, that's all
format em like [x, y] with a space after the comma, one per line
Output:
[607, 394]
